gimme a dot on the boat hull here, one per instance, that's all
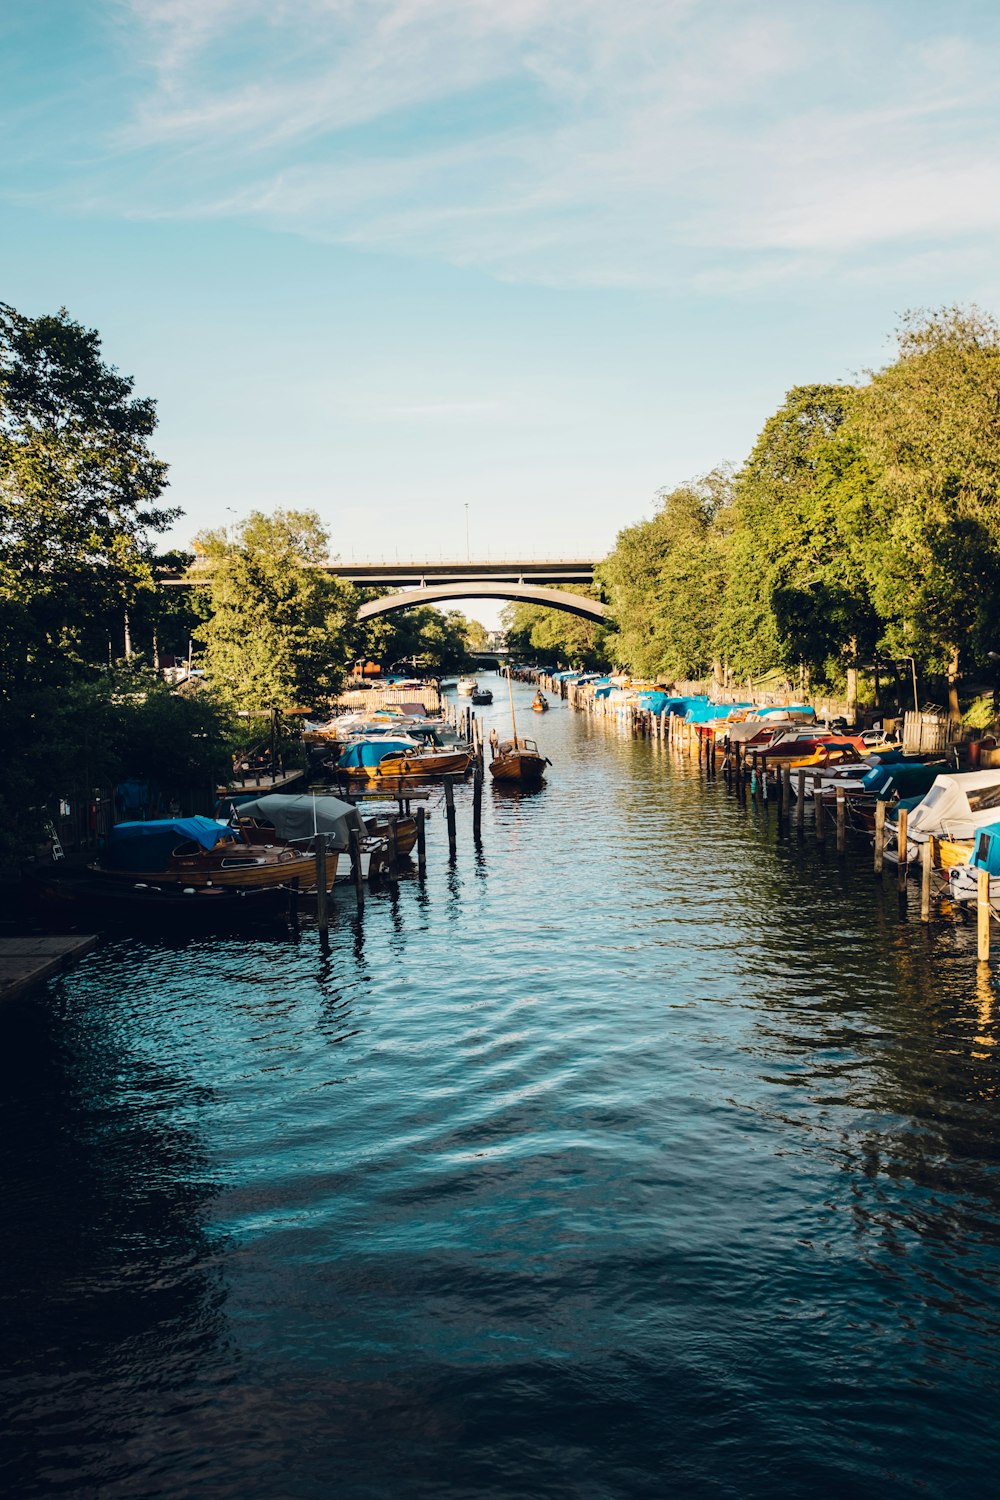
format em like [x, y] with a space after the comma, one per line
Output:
[521, 767]
[411, 767]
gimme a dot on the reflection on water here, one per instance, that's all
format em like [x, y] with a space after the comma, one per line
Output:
[642, 1151]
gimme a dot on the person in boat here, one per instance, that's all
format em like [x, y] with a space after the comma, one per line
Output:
[494, 742]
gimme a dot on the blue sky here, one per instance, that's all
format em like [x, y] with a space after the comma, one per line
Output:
[386, 258]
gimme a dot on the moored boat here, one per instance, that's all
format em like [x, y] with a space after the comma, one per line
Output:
[518, 760]
[74, 896]
[201, 852]
[377, 759]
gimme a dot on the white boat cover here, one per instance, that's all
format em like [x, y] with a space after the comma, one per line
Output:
[956, 806]
[302, 817]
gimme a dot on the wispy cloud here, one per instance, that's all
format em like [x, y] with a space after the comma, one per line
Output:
[577, 142]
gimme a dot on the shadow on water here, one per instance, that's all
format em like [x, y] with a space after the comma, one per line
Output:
[112, 1289]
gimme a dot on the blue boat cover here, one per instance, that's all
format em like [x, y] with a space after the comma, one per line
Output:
[369, 753]
[148, 846]
[986, 854]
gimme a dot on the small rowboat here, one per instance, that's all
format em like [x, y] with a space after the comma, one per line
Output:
[540, 703]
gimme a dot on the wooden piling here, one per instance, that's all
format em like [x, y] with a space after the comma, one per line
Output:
[322, 888]
[926, 864]
[983, 916]
[902, 849]
[879, 836]
[841, 820]
[393, 871]
[449, 803]
[800, 797]
[359, 885]
[820, 818]
[477, 802]
[786, 791]
[421, 843]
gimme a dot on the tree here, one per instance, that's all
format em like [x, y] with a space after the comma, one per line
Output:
[929, 428]
[664, 581]
[279, 630]
[551, 636]
[422, 637]
[796, 585]
[79, 492]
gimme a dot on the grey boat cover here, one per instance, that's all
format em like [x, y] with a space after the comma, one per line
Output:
[303, 816]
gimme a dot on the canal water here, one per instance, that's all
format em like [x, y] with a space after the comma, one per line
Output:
[645, 1152]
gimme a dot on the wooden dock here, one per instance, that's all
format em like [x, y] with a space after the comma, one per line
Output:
[26, 961]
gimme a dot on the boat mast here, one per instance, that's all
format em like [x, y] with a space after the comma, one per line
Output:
[513, 721]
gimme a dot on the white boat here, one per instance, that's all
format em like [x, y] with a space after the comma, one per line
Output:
[466, 686]
[955, 808]
[963, 882]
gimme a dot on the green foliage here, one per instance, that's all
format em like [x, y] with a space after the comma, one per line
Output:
[665, 578]
[865, 521]
[278, 629]
[101, 729]
[79, 490]
[422, 639]
[552, 636]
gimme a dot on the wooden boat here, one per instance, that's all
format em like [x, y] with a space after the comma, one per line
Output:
[202, 852]
[517, 761]
[75, 896]
[378, 760]
[540, 703]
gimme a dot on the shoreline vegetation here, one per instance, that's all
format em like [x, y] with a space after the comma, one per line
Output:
[856, 548]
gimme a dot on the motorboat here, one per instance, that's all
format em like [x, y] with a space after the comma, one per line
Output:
[963, 880]
[202, 852]
[956, 807]
[298, 820]
[540, 703]
[74, 896]
[372, 759]
[482, 695]
[466, 686]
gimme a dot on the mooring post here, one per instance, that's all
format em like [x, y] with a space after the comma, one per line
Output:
[926, 864]
[322, 909]
[902, 849]
[421, 844]
[359, 884]
[841, 820]
[449, 804]
[477, 802]
[818, 808]
[983, 915]
[753, 775]
[786, 791]
[393, 849]
[879, 836]
[800, 797]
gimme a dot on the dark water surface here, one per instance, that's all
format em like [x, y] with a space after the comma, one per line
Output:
[645, 1154]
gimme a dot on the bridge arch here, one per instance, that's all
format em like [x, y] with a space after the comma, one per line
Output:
[485, 588]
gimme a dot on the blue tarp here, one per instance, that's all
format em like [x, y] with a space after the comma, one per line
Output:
[986, 854]
[365, 753]
[148, 846]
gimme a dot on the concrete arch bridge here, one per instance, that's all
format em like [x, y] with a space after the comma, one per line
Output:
[485, 588]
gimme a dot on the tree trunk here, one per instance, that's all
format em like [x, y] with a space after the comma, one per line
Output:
[954, 712]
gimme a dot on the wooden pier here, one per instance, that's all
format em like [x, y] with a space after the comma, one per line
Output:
[27, 961]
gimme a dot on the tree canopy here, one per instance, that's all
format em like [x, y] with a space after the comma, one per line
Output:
[278, 629]
[865, 523]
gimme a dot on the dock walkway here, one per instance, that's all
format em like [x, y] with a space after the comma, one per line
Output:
[25, 961]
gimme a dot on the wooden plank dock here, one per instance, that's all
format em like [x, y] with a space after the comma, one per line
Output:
[260, 782]
[26, 961]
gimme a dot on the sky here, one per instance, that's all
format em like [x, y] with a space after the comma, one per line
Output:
[489, 269]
